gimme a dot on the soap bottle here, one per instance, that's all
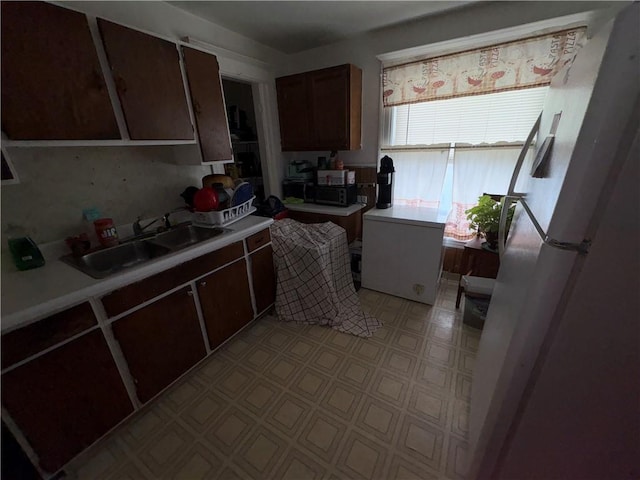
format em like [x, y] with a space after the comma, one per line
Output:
[25, 253]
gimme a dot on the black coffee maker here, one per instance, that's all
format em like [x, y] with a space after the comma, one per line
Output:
[385, 183]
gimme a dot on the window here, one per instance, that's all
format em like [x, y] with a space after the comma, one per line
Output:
[455, 124]
[496, 117]
[448, 152]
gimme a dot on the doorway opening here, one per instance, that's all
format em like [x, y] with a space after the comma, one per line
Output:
[241, 114]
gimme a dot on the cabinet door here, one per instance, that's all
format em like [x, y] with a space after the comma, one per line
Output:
[52, 83]
[226, 302]
[352, 223]
[23, 342]
[264, 279]
[161, 341]
[148, 79]
[66, 399]
[329, 99]
[207, 100]
[293, 112]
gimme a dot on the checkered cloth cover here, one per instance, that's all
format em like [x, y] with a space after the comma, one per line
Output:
[314, 278]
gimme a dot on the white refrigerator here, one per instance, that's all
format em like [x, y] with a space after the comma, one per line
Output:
[556, 385]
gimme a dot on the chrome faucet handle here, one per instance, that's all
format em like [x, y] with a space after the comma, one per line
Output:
[137, 229]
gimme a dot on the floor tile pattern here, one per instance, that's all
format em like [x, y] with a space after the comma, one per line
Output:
[299, 402]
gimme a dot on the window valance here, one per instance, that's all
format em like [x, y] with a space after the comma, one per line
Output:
[526, 63]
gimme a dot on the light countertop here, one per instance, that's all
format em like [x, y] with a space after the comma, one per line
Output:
[425, 217]
[31, 294]
[325, 209]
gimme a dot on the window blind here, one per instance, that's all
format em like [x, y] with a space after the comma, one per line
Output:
[491, 118]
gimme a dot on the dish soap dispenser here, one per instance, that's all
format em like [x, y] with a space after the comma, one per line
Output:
[26, 254]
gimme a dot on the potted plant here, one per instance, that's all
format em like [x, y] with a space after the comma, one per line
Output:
[485, 218]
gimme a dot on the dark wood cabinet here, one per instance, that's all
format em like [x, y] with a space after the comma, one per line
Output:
[23, 342]
[52, 84]
[226, 301]
[293, 112]
[127, 297]
[264, 278]
[66, 399]
[351, 223]
[321, 110]
[160, 341]
[148, 80]
[207, 101]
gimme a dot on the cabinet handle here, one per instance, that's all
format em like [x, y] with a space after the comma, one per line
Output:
[259, 239]
[203, 284]
[190, 293]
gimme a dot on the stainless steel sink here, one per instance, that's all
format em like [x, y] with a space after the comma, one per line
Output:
[106, 262]
[140, 249]
[185, 236]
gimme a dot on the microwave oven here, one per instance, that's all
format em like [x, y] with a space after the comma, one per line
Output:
[297, 189]
[340, 196]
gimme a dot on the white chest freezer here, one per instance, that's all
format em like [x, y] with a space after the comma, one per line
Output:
[402, 252]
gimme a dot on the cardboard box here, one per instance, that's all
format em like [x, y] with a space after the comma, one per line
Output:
[336, 178]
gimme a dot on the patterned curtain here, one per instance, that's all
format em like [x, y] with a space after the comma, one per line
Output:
[477, 171]
[526, 63]
[430, 167]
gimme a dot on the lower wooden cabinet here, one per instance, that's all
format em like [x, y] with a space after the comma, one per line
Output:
[66, 399]
[264, 278]
[161, 341]
[226, 301]
[351, 223]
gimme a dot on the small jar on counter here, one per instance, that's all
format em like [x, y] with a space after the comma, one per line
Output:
[106, 232]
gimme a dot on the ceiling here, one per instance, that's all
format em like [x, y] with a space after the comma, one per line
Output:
[294, 26]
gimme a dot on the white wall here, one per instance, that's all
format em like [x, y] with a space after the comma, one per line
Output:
[122, 182]
[363, 49]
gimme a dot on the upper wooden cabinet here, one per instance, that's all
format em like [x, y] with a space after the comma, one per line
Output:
[207, 100]
[52, 83]
[321, 110]
[148, 79]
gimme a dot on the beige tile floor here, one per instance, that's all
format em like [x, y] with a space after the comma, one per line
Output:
[284, 401]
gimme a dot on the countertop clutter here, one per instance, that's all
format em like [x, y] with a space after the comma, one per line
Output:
[28, 295]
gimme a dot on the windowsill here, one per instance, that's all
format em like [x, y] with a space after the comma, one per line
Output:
[453, 243]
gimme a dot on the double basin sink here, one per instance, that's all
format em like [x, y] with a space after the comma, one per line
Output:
[139, 250]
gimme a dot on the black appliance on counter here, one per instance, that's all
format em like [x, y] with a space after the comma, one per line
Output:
[303, 190]
[340, 196]
[385, 183]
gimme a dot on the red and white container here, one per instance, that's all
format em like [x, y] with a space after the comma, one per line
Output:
[106, 232]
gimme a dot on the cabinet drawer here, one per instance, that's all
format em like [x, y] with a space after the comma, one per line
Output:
[26, 341]
[125, 298]
[259, 239]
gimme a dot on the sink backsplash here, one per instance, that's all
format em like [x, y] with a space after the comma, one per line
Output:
[56, 184]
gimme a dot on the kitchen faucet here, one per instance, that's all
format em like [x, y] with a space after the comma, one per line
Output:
[139, 229]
